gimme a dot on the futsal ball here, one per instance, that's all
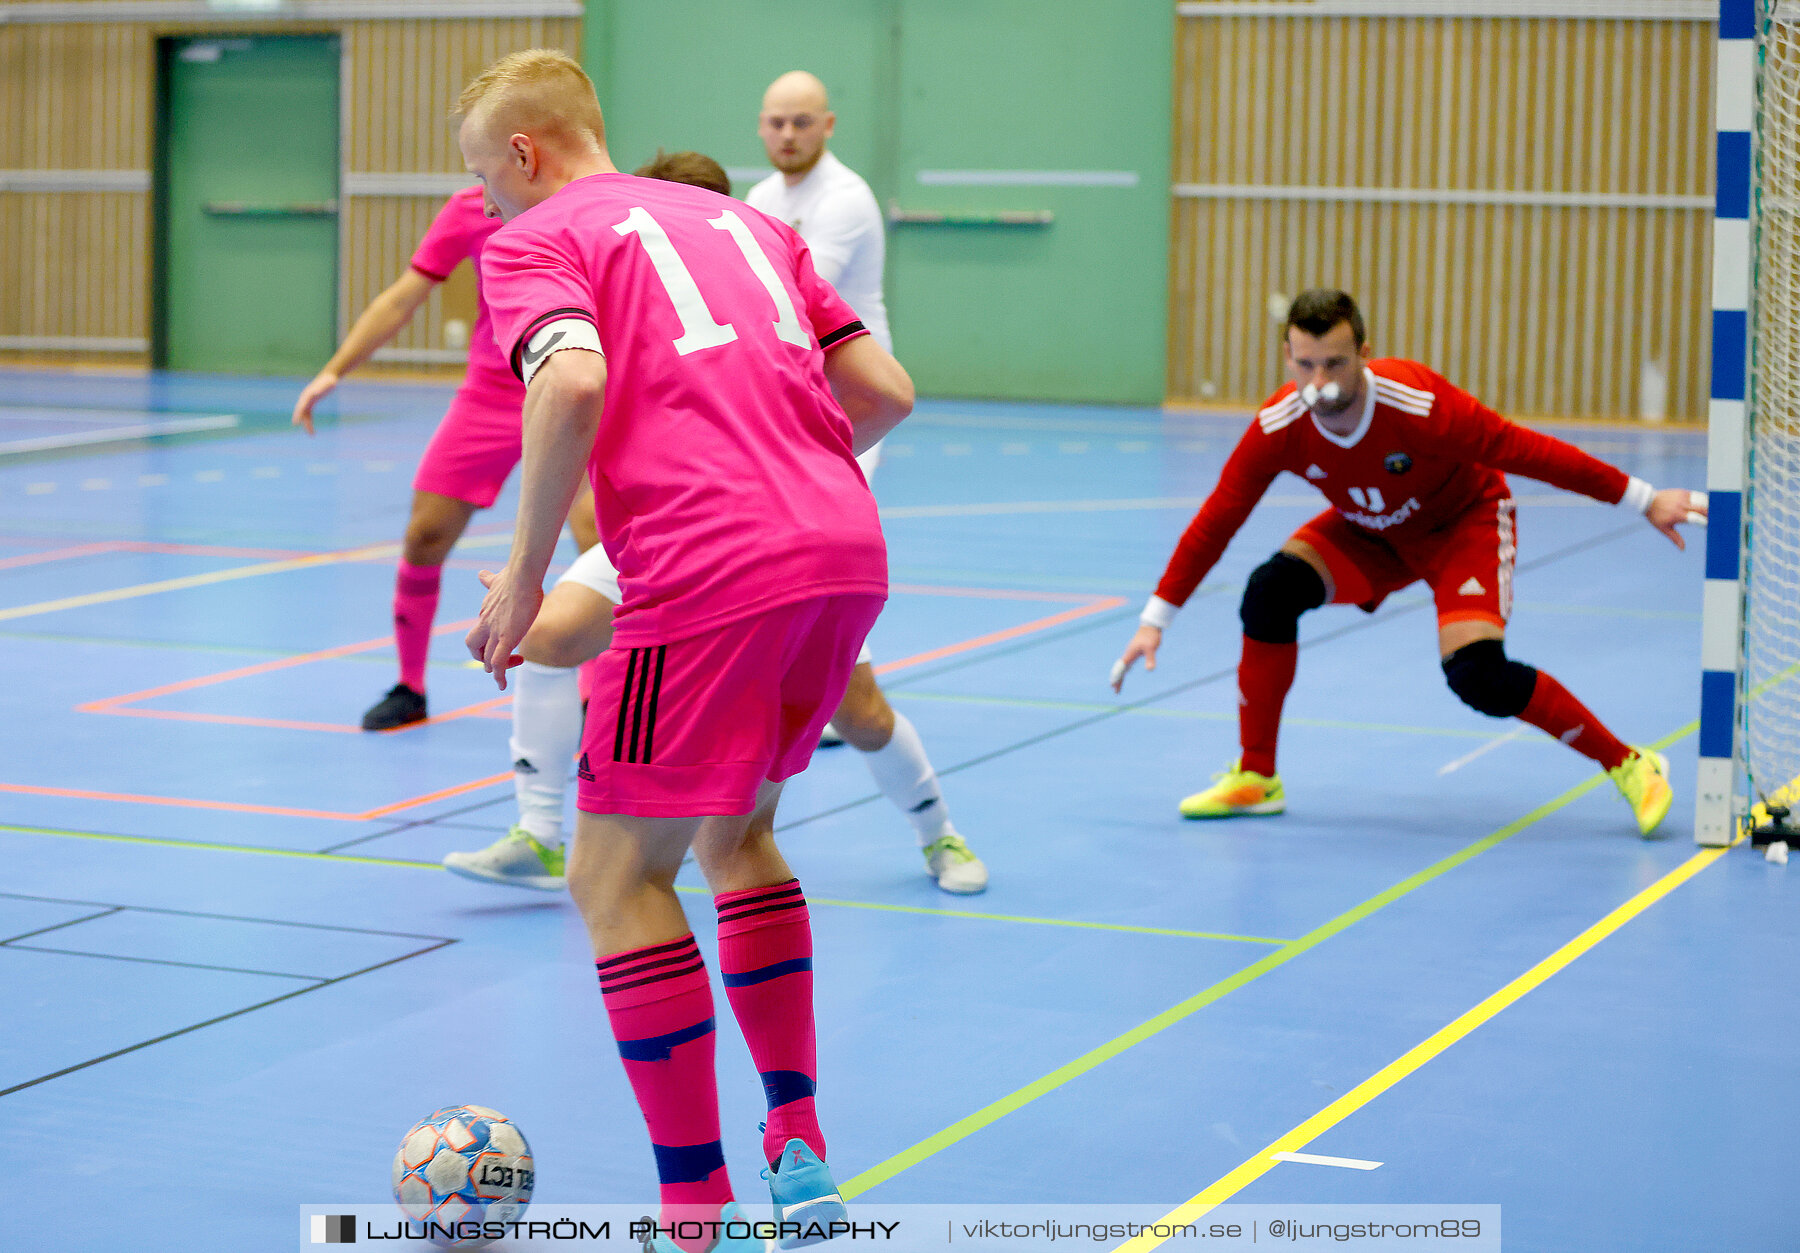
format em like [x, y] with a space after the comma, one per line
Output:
[465, 1164]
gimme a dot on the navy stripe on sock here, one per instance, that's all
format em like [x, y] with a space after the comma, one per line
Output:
[656, 1048]
[764, 974]
[688, 1163]
[784, 1087]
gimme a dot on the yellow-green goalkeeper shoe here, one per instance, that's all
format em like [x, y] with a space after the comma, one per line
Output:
[1237, 792]
[1643, 781]
[515, 859]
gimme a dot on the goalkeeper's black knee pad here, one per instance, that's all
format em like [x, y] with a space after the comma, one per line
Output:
[1279, 591]
[1488, 681]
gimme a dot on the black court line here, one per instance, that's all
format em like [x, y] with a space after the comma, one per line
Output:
[163, 961]
[1398, 608]
[416, 822]
[105, 913]
[226, 1017]
[194, 913]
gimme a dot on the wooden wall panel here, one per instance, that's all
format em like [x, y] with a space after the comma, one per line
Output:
[75, 264]
[61, 91]
[81, 97]
[402, 78]
[1335, 151]
[82, 269]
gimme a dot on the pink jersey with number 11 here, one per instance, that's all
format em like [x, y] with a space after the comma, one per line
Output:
[723, 475]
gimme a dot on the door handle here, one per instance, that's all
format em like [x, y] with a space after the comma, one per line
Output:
[293, 209]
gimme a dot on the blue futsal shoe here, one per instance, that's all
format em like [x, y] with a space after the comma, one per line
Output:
[807, 1204]
[735, 1233]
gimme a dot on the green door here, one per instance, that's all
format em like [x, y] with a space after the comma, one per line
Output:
[247, 183]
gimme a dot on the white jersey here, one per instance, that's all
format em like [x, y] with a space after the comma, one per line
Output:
[835, 213]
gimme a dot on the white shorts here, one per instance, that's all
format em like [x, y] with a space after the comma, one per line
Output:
[594, 571]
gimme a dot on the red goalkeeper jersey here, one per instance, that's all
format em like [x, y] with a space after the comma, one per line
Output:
[1423, 454]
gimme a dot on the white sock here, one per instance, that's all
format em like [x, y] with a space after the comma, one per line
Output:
[546, 731]
[904, 775]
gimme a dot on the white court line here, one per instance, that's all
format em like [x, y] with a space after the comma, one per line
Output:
[1488, 747]
[137, 430]
[1313, 1159]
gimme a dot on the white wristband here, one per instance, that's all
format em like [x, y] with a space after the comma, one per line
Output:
[1158, 613]
[1638, 495]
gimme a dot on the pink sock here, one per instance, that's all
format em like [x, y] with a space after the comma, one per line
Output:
[661, 1010]
[765, 955]
[415, 605]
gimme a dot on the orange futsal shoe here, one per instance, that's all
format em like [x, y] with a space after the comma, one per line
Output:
[1237, 792]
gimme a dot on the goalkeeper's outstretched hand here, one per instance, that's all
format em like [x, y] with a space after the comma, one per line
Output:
[1143, 644]
[1671, 507]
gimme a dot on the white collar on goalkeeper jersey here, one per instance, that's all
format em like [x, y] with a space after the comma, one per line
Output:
[1362, 426]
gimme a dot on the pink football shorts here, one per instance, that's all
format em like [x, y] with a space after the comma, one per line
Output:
[473, 450]
[691, 728]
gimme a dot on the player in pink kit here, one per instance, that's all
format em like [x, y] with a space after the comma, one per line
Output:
[467, 461]
[684, 348]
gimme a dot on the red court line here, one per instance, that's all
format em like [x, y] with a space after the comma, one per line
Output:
[178, 801]
[995, 593]
[443, 794]
[115, 704]
[1096, 604]
[55, 554]
[237, 807]
[1099, 605]
[145, 546]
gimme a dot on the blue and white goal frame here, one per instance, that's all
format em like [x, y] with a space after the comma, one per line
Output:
[1720, 798]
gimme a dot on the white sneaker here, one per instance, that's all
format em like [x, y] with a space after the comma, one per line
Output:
[949, 860]
[515, 859]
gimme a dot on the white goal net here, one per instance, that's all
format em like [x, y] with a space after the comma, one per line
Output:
[1770, 740]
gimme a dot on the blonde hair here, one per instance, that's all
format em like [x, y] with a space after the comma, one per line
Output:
[540, 92]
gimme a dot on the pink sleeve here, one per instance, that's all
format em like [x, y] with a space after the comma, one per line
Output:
[449, 241]
[527, 283]
[832, 320]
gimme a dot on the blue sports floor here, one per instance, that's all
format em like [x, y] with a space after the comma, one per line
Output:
[232, 973]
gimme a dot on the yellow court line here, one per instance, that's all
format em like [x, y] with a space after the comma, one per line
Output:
[197, 580]
[1100, 1054]
[1262, 1162]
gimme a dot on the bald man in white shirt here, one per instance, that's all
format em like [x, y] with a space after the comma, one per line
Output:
[834, 211]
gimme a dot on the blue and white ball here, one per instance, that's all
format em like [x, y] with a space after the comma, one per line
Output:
[463, 1164]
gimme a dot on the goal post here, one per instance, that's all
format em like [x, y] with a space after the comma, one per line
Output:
[1750, 642]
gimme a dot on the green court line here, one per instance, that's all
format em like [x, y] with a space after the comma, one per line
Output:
[1046, 922]
[1198, 715]
[217, 848]
[877, 906]
[993, 1112]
